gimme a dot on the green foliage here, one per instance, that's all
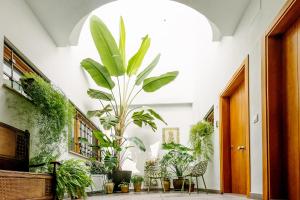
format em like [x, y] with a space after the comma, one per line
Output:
[201, 141]
[99, 73]
[137, 179]
[112, 69]
[154, 83]
[72, 178]
[177, 159]
[96, 167]
[107, 47]
[54, 114]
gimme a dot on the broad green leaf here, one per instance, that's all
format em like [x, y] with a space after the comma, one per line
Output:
[147, 70]
[136, 61]
[138, 142]
[99, 113]
[97, 94]
[108, 121]
[98, 73]
[107, 47]
[154, 83]
[122, 42]
[157, 116]
[140, 118]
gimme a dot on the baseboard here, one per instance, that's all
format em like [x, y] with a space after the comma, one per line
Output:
[210, 191]
[255, 196]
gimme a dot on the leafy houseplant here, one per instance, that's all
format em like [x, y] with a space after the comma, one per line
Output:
[121, 82]
[137, 182]
[201, 141]
[72, 177]
[54, 114]
[177, 159]
[124, 187]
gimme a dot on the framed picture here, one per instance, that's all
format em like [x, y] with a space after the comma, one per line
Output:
[170, 135]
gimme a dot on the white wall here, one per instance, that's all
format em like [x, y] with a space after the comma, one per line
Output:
[222, 61]
[205, 67]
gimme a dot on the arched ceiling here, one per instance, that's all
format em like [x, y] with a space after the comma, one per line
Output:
[63, 19]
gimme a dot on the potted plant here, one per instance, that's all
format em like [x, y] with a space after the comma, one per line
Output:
[122, 82]
[177, 159]
[72, 177]
[166, 180]
[137, 182]
[201, 141]
[109, 187]
[98, 173]
[124, 187]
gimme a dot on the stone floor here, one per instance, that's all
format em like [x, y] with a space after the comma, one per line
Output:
[167, 196]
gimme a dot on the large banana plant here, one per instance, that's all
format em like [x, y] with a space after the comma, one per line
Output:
[120, 82]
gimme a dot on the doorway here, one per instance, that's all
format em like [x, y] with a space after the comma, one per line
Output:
[281, 106]
[234, 133]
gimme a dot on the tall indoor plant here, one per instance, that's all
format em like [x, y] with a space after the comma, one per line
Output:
[120, 82]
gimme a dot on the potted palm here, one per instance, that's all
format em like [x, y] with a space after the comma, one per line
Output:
[121, 82]
[178, 158]
[137, 182]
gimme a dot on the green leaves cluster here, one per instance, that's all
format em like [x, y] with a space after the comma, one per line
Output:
[72, 178]
[117, 96]
[201, 141]
[55, 113]
[177, 158]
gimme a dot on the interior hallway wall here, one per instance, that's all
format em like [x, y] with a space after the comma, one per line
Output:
[223, 59]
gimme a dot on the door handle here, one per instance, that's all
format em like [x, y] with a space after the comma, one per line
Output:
[241, 148]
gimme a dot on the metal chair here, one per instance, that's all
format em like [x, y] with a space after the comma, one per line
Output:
[196, 171]
[154, 172]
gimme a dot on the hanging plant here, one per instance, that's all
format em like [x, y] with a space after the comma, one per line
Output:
[201, 141]
[54, 114]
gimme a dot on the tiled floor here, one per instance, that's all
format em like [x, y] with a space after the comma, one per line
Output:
[167, 196]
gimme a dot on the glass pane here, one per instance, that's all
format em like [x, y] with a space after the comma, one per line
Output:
[6, 69]
[17, 75]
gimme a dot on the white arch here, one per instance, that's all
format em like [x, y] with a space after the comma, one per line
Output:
[63, 20]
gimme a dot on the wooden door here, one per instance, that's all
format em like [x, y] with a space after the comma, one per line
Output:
[291, 111]
[238, 140]
[234, 133]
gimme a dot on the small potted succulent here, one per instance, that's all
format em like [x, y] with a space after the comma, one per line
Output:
[137, 182]
[124, 187]
[109, 187]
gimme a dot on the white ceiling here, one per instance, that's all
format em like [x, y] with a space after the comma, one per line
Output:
[63, 19]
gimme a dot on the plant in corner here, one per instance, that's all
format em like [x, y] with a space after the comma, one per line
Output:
[201, 141]
[137, 182]
[72, 178]
[177, 159]
[121, 82]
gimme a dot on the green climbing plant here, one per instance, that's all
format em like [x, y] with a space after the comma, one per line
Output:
[54, 114]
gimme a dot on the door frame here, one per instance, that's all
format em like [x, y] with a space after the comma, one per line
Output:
[271, 117]
[242, 74]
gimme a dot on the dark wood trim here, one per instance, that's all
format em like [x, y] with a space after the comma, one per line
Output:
[271, 64]
[242, 74]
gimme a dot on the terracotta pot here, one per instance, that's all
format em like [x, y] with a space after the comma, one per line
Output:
[167, 184]
[124, 188]
[109, 187]
[137, 187]
[177, 183]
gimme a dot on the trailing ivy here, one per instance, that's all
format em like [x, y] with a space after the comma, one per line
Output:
[55, 113]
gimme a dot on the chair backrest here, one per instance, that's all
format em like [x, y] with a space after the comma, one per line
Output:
[200, 168]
